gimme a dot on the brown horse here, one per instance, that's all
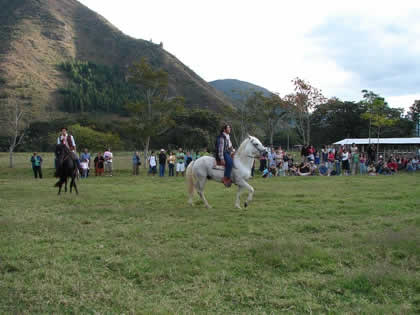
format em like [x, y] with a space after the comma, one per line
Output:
[65, 167]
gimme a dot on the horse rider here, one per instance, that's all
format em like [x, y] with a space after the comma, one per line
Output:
[68, 141]
[224, 151]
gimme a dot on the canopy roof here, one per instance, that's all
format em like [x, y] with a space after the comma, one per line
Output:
[413, 140]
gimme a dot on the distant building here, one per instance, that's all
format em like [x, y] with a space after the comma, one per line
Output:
[386, 145]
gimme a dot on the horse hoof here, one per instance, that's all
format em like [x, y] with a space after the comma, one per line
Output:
[246, 204]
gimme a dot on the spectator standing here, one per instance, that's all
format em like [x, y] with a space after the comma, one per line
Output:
[152, 163]
[36, 161]
[330, 160]
[285, 164]
[337, 161]
[317, 159]
[345, 165]
[371, 154]
[86, 156]
[171, 163]
[99, 162]
[162, 162]
[85, 167]
[180, 162]
[362, 164]
[108, 156]
[310, 151]
[196, 155]
[188, 159]
[263, 163]
[355, 161]
[136, 163]
[324, 155]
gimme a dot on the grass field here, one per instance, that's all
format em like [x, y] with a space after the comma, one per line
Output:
[133, 245]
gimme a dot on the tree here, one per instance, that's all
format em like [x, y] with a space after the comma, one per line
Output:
[243, 118]
[414, 113]
[369, 99]
[151, 113]
[305, 99]
[12, 120]
[335, 120]
[146, 124]
[271, 112]
[94, 140]
[379, 116]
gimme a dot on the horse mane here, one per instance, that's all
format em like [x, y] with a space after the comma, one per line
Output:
[243, 145]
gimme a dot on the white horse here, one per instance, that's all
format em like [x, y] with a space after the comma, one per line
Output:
[199, 171]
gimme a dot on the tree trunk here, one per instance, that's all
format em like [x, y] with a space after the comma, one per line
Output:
[308, 130]
[377, 145]
[146, 150]
[11, 164]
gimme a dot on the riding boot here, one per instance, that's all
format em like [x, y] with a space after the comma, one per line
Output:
[227, 181]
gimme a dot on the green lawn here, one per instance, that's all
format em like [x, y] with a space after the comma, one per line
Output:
[133, 245]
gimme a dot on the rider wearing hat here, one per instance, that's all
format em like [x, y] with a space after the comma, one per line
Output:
[68, 141]
[224, 150]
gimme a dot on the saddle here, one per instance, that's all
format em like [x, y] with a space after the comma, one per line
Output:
[219, 166]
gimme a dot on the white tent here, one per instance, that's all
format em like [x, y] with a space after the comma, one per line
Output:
[407, 141]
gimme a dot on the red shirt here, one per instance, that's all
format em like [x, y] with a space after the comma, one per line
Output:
[393, 165]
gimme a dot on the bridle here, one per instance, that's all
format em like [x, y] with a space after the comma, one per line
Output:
[256, 147]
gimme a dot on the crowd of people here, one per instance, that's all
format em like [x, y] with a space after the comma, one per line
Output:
[328, 161]
[335, 161]
[175, 161]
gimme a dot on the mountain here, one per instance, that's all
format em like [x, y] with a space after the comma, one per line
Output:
[236, 89]
[37, 36]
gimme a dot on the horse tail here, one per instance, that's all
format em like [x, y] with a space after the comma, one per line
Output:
[190, 181]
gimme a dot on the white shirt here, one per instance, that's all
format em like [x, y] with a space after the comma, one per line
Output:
[152, 161]
[64, 139]
[227, 136]
[108, 156]
[345, 156]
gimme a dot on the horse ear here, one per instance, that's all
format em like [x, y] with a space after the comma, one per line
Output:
[249, 136]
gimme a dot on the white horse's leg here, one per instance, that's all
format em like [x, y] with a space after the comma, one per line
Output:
[251, 190]
[201, 194]
[238, 196]
[199, 186]
[250, 194]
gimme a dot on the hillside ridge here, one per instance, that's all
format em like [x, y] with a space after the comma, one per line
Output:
[37, 35]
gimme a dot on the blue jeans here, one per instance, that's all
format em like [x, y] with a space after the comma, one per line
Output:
[171, 170]
[161, 170]
[228, 164]
[362, 168]
[338, 167]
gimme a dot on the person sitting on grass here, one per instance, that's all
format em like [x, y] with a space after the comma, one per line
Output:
[323, 170]
[293, 170]
[392, 166]
[304, 169]
[266, 173]
[371, 170]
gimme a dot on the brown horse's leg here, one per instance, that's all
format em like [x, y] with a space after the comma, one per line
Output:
[73, 182]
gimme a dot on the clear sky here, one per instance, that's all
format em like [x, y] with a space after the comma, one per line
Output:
[340, 47]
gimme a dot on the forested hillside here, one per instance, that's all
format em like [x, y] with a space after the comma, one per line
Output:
[39, 37]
